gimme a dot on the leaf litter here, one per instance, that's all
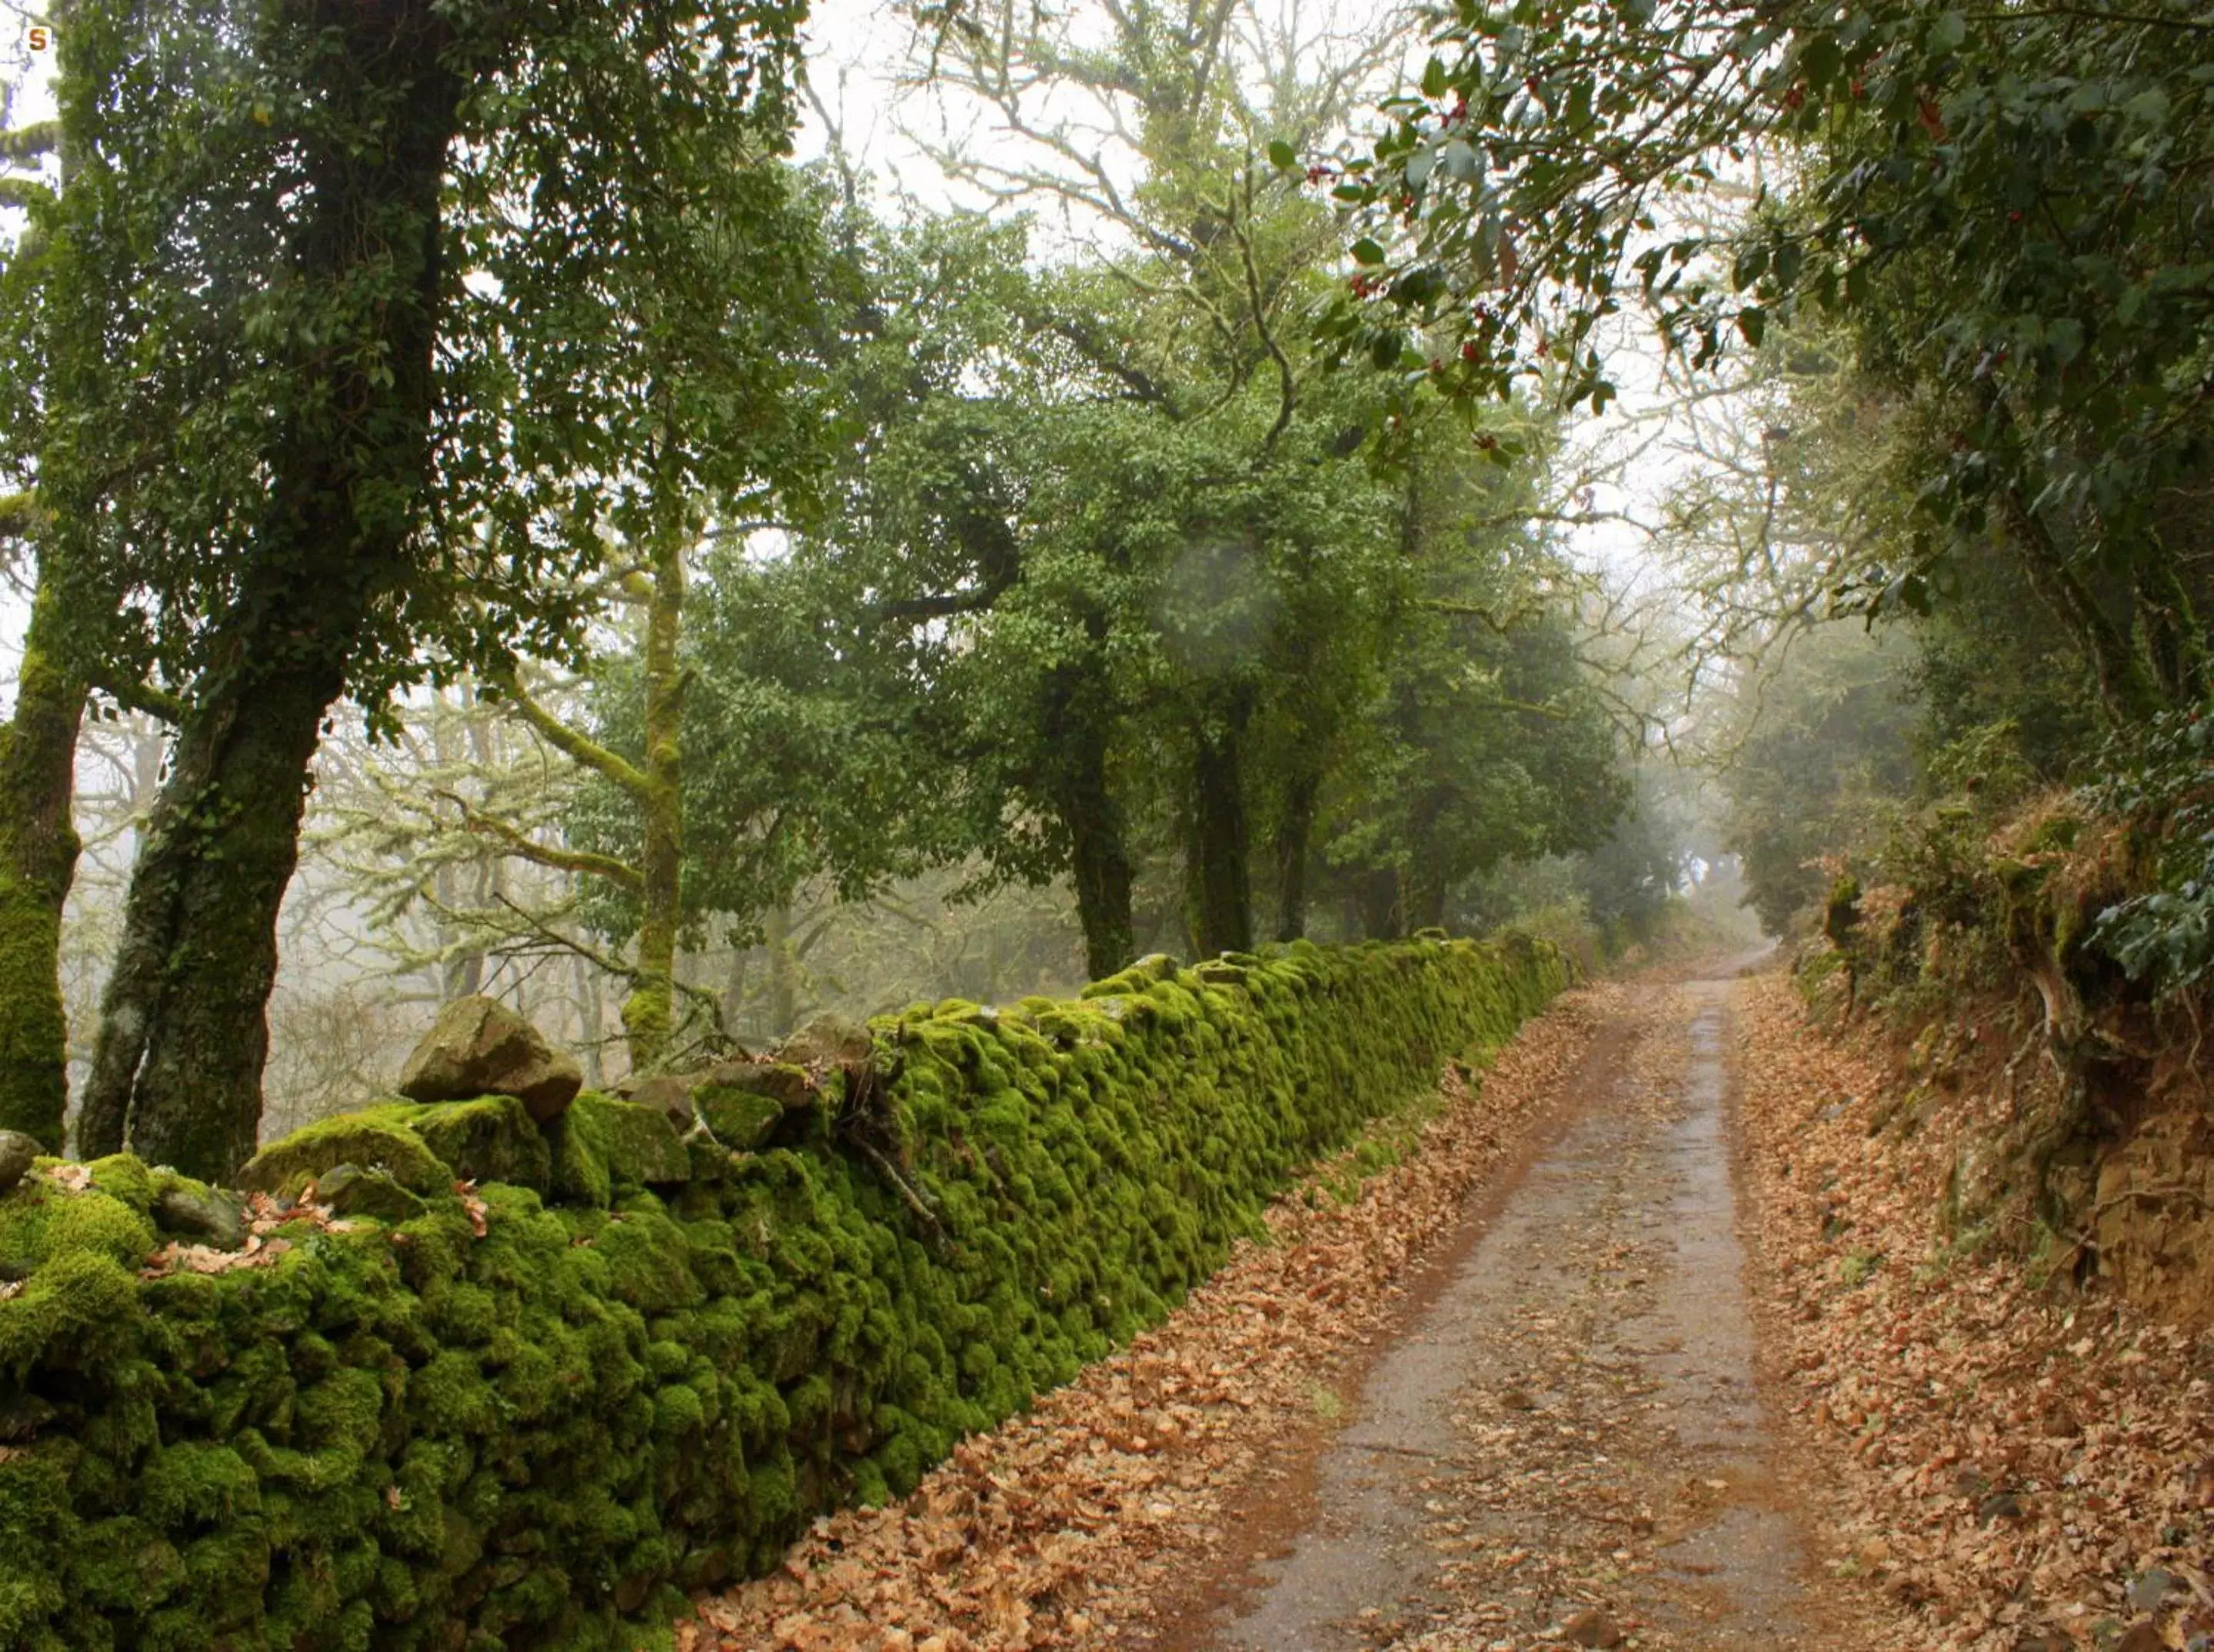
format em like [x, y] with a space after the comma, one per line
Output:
[2026, 1468]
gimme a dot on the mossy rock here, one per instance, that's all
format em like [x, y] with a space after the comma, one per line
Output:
[479, 1047]
[491, 1139]
[352, 1191]
[380, 1137]
[1147, 972]
[739, 1118]
[124, 1176]
[18, 1153]
[790, 1085]
[197, 1213]
[601, 1144]
[828, 1040]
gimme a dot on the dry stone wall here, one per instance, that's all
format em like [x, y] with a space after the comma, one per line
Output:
[476, 1383]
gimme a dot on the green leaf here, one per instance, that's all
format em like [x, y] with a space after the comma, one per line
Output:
[1368, 250]
[2149, 107]
[1282, 156]
[1434, 78]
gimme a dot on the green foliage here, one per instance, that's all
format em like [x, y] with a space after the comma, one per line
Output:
[2158, 783]
[415, 1434]
[1483, 738]
[1997, 206]
[616, 269]
[1823, 752]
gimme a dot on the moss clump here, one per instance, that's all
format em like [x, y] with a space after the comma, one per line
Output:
[380, 1137]
[491, 1139]
[601, 1144]
[524, 1420]
[739, 1118]
[424, 1146]
[42, 1220]
[352, 1191]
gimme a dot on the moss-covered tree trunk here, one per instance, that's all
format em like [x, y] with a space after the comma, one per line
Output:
[184, 1029]
[648, 1014]
[654, 787]
[38, 843]
[1425, 900]
[1221, 882]
[1103, 875]
[783, 970]
[38, 858]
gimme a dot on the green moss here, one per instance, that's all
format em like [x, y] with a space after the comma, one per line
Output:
[601, 1144]
[489, 1140]
[380, 1138]
[40, 1221]
[120, 1176]
[352, 1191]
[739, 1118]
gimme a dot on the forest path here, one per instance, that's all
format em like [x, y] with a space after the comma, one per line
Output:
[1563, 1443]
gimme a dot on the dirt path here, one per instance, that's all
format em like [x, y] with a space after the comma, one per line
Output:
[1565, 1443]
[1505, 1400]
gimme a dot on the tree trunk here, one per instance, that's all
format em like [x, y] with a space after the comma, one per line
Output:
[2128, 690]
[1382, 917]
[1103, 876]
[2175, 643]
[1293, 832]
[648, 1014]
[184, 1029]
[1425, 901]
[184, 1033]
[783, 970]
[38, 843]
[38, 858]
[1223, 886]
[1099, 862]
[589, 1028]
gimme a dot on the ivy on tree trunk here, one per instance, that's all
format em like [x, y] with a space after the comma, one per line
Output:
[184, 1030]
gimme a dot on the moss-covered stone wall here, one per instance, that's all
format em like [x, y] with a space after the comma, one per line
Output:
[529, 1414]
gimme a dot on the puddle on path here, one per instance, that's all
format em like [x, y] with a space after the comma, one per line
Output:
[1568, 1423]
